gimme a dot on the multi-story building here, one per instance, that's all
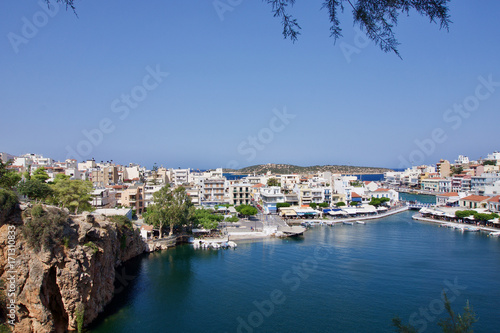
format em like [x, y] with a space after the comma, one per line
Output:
[270, 196]
[443, 168]
[103, 198]
[133, 197]
[103, 176]
[430, 184]
[240, 194]
[479, 183]
[179, 176]
[213, 190]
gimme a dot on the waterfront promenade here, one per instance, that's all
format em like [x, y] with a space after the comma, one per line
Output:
[419, 217]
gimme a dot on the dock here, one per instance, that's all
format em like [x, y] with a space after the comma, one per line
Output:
[292, 231]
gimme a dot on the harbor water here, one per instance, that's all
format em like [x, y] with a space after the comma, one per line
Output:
[334, 279]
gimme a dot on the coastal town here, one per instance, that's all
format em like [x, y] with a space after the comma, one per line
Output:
[281, 200]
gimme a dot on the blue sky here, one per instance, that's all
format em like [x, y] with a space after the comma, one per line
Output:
[229, 78]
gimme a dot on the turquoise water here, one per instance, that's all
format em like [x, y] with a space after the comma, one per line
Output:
[422, 198]
[335, 279]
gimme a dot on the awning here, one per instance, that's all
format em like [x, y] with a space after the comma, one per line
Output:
[200, 230]
[337, 212]
[384, 208]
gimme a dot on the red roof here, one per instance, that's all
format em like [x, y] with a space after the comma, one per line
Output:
[494, 199]
[477, 198]
[381, 190]
[449, 194]
[355, 195]
[258, 185]
[367, 182]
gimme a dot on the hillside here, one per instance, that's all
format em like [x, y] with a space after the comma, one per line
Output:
[294, 169]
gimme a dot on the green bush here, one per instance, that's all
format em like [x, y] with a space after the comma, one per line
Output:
[233, 219]
[8, 202]
[121, 221]
[92, 246]
[79, 317]
[44, 228]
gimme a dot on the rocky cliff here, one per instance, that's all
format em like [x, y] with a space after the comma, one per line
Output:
[74, 272]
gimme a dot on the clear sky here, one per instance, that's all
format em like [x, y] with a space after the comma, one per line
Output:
[237, 93]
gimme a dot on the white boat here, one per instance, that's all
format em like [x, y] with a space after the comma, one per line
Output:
[494, 234]
[471, 229]
[360, 222]
[348, 223]
[232, 244]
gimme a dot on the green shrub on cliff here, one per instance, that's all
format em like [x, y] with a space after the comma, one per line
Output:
[44, 227]
[121, 221]
[8, 202]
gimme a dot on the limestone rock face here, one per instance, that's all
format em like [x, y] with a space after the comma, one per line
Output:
[51, 284]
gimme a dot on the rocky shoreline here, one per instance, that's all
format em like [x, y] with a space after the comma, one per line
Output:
[71, 281]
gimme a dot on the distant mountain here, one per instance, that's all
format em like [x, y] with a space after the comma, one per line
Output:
[294, 169]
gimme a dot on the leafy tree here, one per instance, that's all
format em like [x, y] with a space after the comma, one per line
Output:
[483, 217]
[354, 203]
[456, 170]
[323, 205]
[8, 178]
[340, 204]
[246, 210]
[207, 218]
[375, 17]
[461, 323]
[73, 194]
[40, 174]
[282, 205]
[122, 221]
[34, 189]
[8, 202]
[172, 207]
[232, 219]
[313, 205]
[489, 162]
[457, 323]
[273, 182]
[464, 213]
[378, 201]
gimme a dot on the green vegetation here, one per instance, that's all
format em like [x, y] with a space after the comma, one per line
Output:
[323, 205]
[232, 219]
[247, 210]
[282, 205]
[340, 204]
[172, 207]
[34, 189]
[313, 205]
[8, 202]
[5, 328]
[40, 174]
[123, 241]
[122, 221]
[378, 201]
[207, 218]
[354, 203]
[43, 227]
[455, 323]
[356, 183]
[483, 217]
[8, 178]
[93, 246]
[456, 170]
[79, 317]
[273, 182]
[489, 162]
[72, 194]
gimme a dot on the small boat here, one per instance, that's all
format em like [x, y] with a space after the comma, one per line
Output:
[471, 229]
[494, 234]
[360, 222]
[348, 223]
[232, 244]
